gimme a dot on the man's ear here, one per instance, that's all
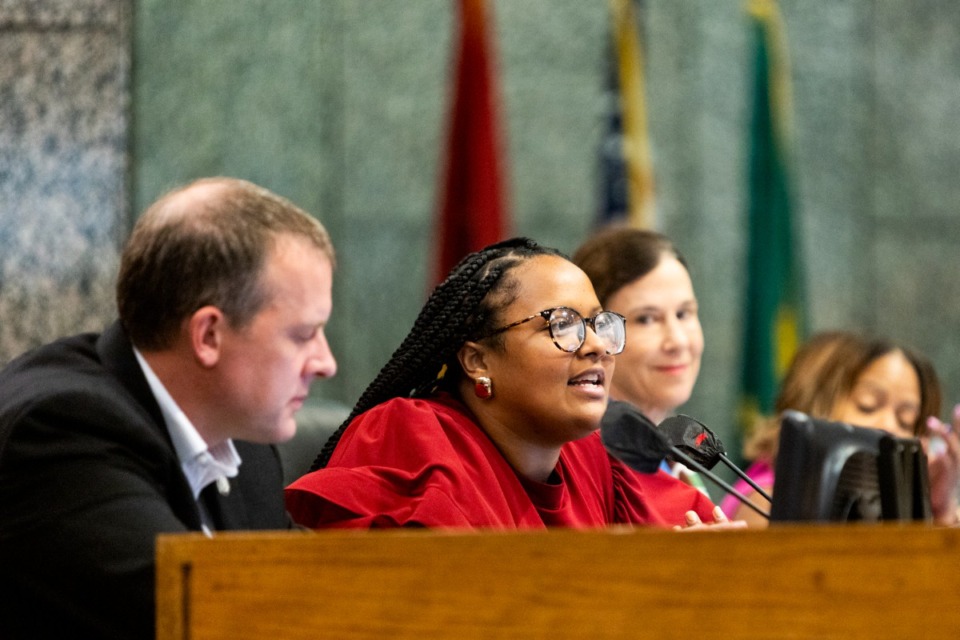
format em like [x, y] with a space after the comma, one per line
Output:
[472, 357]
[205, 332]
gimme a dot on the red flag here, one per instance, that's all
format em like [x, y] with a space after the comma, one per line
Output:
[472, 211]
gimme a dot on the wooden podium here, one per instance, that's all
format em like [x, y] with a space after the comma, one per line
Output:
[839, 581]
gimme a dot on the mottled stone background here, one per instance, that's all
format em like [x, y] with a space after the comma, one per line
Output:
[64, 95]
[341, 104]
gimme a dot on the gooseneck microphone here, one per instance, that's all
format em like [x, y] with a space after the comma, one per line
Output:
[696, 440]
[632, 438]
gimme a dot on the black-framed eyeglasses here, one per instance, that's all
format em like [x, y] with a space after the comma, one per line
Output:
[569, 329]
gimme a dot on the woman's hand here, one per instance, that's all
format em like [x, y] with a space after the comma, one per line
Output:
[943, 465]
[720, 522]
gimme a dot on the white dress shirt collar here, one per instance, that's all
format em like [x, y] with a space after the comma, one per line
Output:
[201, 464]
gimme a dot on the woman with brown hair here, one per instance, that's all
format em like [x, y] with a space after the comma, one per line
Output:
[866, 382]
[641, 275]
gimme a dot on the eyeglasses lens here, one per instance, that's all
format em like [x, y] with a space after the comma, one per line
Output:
[567, 329]
[610, 328]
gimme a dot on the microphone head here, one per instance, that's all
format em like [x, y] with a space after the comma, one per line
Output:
[629, 436]
[693, 438]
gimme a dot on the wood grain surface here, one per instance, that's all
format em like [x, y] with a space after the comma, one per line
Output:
[842, 581]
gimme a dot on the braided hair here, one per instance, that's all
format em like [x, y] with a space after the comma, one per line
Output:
[459, 309]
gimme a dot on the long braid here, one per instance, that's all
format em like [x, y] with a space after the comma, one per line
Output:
[453, 314]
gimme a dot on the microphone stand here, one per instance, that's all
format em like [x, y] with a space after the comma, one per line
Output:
[723, 458]
[699, 468]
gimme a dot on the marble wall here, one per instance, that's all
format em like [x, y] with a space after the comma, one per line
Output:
[64, 95]
[341, 106]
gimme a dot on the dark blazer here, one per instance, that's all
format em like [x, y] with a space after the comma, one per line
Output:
[88, 478]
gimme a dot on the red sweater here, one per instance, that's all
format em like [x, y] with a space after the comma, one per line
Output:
[425, 462]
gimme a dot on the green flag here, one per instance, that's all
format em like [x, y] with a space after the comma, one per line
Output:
[774, 312]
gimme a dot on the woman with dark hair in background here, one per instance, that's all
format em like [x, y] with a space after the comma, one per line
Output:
[875, 383]
[487, 414]
[641, 275]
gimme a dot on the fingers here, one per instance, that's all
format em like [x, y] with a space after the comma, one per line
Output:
[720, 518]
[943, 451]
[935, 426]
[691, 519]
[720, 522]
[945, 438]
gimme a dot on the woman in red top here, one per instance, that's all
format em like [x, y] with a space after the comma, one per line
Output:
[487, 414]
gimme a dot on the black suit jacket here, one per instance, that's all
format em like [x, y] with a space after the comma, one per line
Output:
[88, 478]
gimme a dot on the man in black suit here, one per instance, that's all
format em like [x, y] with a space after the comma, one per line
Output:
[165, 421]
